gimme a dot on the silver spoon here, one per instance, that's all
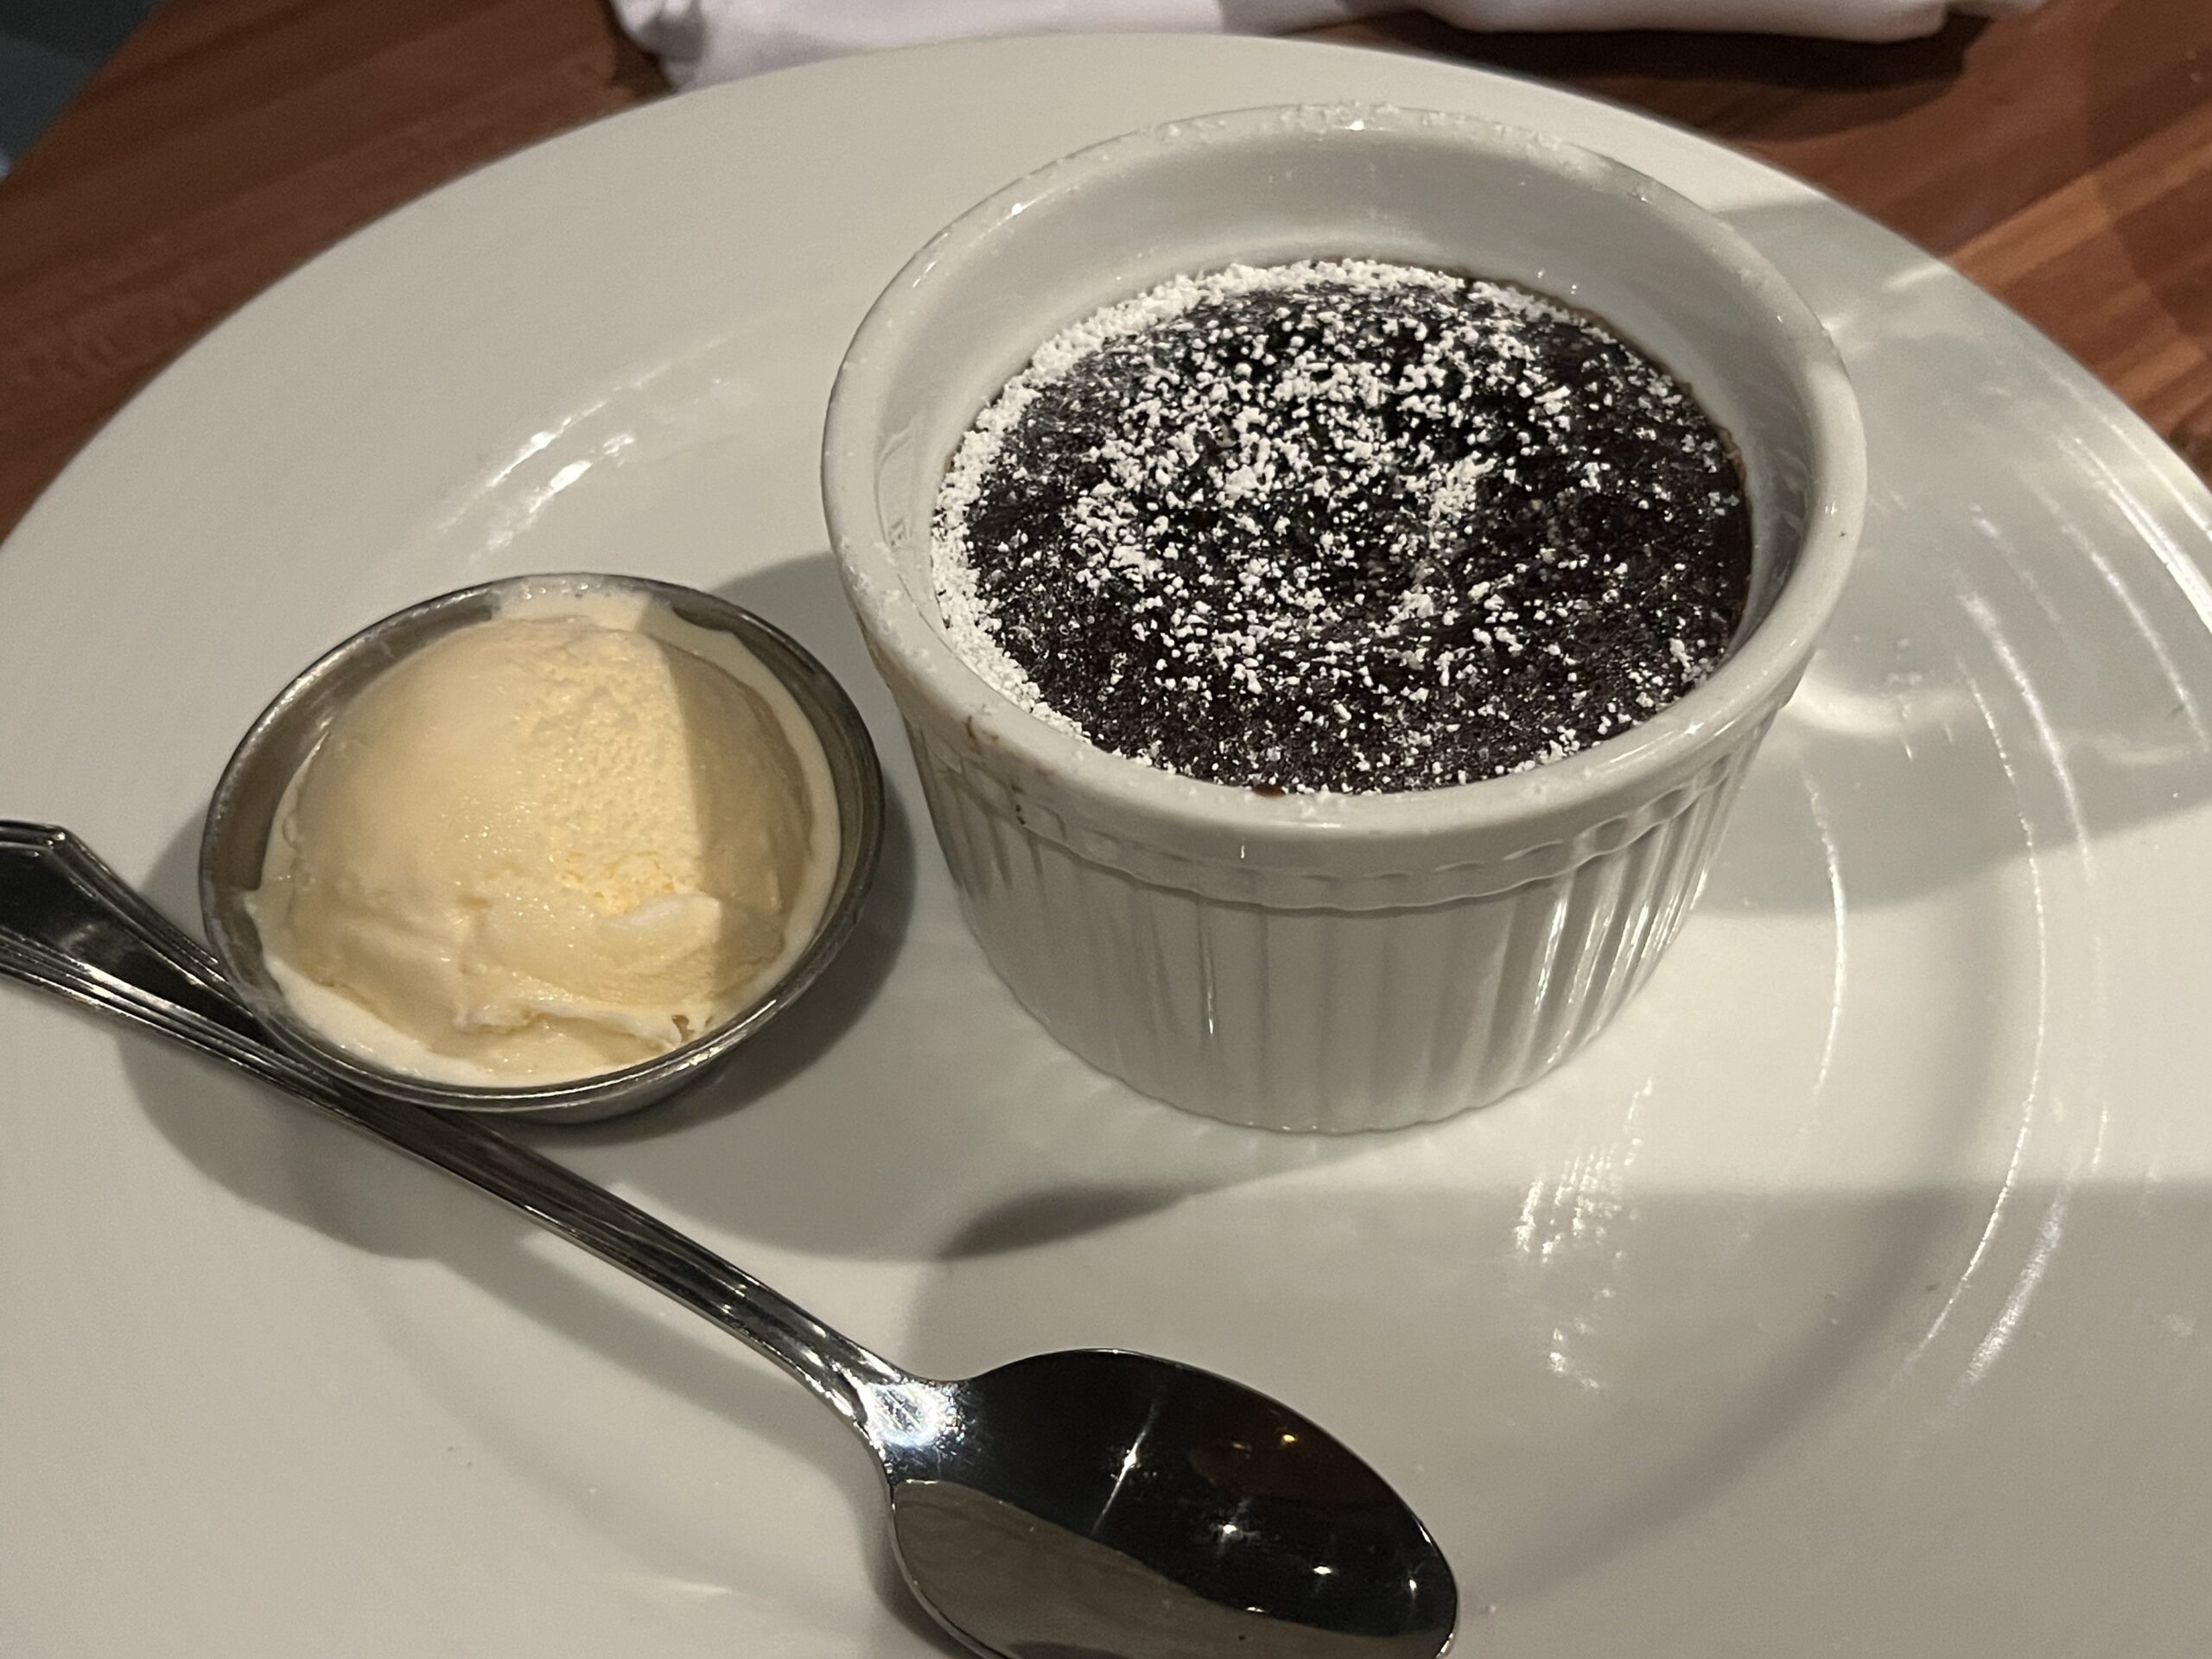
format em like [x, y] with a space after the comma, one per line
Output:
[1090, 1504]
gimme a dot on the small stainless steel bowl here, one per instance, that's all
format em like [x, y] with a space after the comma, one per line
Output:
[235, 844]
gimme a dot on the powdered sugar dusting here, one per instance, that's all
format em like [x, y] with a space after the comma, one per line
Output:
[1341, 525]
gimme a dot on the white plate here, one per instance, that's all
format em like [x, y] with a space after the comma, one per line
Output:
[1849, 1296]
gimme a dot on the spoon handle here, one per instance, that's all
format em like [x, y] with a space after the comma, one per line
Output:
[70, 925]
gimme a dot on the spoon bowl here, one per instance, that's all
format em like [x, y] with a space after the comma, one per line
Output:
[1096, 1501]
[1090, 1504]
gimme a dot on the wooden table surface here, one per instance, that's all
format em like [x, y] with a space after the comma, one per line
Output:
[2064, 160]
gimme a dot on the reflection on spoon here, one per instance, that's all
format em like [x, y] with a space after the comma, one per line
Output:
[1090, 1505]
[1095, 1503]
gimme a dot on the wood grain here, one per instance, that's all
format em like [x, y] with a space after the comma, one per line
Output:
[230, 140]
[2063, 159]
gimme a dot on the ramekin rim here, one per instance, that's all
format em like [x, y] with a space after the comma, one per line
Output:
[1774, 649]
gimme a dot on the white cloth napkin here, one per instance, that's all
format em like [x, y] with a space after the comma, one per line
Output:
[699, 41]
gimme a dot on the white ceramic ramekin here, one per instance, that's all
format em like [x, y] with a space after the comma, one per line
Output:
[1337, 962]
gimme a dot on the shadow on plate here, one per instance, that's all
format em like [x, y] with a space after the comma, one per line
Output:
[1558, 1363]
[285, 1159]
[1555, 1393]
[826, 1155]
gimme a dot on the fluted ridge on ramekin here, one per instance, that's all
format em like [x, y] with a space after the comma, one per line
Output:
[1410, 886]
[1323, 1017]
[1367, 959]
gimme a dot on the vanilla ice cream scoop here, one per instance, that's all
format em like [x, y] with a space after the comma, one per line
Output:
[545, 846]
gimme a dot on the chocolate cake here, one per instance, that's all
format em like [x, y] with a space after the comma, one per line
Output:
[1343, 525]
